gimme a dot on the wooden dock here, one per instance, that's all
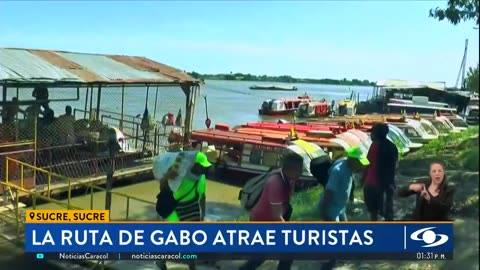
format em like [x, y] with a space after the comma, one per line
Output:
[134, 174]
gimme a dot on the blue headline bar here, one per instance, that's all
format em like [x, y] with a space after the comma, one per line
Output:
[240, 237]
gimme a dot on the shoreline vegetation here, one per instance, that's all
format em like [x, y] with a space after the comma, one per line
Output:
[282, 79]
[459, 153]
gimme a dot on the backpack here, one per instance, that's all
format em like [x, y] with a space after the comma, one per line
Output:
[319, 168]
[250, 194]
[166, 203]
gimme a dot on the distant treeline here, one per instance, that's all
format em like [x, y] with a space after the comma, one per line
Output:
[283, 79]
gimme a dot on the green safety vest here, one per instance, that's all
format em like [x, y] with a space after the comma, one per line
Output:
[186, 206]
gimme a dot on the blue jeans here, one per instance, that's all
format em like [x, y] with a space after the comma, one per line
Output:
[338, 216]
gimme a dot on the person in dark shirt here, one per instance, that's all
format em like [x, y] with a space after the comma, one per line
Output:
[379, 176]
[434, 196]
[48, 115]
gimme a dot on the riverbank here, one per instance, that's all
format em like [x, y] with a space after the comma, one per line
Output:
[460, 153]
[279, 79]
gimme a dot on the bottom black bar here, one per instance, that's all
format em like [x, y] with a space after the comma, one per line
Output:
[152, 256]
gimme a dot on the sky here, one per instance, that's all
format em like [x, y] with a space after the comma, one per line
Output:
[314, 39]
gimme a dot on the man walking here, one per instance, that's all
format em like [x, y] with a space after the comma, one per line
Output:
[274, 202]
[334, 199]
[379, 176]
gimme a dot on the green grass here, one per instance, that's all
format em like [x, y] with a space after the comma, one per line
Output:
[445, 144]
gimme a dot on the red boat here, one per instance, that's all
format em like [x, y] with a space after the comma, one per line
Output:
[240, 156]
[323, 135]
[282, 106]
[314, 109]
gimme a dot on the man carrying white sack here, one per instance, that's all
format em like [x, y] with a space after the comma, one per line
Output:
[182, 188]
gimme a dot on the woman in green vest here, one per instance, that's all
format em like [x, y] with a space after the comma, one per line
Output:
[188, 185]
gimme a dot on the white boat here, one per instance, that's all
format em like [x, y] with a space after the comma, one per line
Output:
[412, 108]
[396, 133]
[471, 112]
[414, 131]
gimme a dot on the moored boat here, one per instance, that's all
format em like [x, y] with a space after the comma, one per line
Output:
[471, 112]
[243, 156]
[283, 106]
[312, 131]
[347, 107]
[314, 109]
[273, 87]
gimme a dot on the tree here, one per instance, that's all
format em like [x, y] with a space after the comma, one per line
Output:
[472, 79]
[457, 11]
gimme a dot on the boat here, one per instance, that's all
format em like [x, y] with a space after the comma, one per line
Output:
[326, 139]
[394, 96]
[273, 87]
[456, 121]
[283, 106]
[79, 151]
[347, 106]
[418, 107]
[313, 109]
[403, 143]
[414, 131]
[412, 128]
[471, 112]
[242, 156]
[320, 134]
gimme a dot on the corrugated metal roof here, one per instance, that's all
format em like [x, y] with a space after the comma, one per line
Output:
[399, 84]
[21, 65]
[29, 65]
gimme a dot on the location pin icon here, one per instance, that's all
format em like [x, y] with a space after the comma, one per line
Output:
[32, 215]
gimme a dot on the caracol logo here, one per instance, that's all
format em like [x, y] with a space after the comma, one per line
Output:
[428, 236]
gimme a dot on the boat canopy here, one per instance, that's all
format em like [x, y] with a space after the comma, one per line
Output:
[406, 84]
[278, 105]
[421, 107]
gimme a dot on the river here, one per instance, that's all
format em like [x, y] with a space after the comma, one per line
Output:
[229, 102]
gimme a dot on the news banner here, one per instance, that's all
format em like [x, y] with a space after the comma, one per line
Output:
[90, 235]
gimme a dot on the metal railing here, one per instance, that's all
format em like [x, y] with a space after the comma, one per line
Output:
[16, 218]
[70, 183]
[156, 140]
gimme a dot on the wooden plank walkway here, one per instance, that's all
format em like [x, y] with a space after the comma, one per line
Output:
[119, 175]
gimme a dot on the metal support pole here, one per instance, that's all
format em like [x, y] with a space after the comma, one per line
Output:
[35, 149]
[90, 115]
[113, 148]
[123, 100]
[155, 108]
[4, 94]
[99, 95]
[86, 103]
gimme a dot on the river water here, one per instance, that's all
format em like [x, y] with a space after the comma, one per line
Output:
[229, 102]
